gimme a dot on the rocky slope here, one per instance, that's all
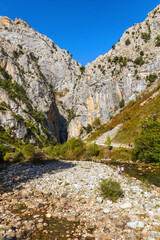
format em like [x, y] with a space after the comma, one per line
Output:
[64, 92]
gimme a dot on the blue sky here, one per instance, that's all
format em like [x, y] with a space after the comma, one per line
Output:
[86, 28]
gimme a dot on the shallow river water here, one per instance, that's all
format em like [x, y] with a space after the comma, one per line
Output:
[145, 173]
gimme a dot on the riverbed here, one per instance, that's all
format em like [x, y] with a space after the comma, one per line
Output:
[68, 190]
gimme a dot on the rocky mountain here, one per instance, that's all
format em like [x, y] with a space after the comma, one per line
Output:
[34, 68]
[115, 78]
[44, 91]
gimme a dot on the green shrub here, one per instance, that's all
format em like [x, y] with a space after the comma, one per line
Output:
[92, 150]
[2, 151]
[96, 122]
[28, 151]
[72, 149]
[127, 42]
[110, 189]
[121, 154]
[152, 77]
[146, 37]
[157, 44]
[89, 128]
[71, 115]
[121, 104]
[18, 117]
[147, 144]
[115, 59]
[15, 54]
[108, 142]
[139, 61]
[142, 53]
[14, 156]
[113, 46]
[82, 69]
[4, 52]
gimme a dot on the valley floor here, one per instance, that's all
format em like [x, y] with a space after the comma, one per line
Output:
[69, 189]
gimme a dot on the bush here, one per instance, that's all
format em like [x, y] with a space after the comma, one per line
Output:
[71, 115]
[89, 128]
[92, 150]
[113, 46]
[108, 142]
[96, 122]
[110, 189]
[2, 151]
[142, 53]
[147, 144]
[121, 104]
[14, 157]
[29, 151]
[146, 37]
[121, 154]
[157, 44]
[72, 149]
[152, 77]
[127, 42]
[139, 61]
[82, 69]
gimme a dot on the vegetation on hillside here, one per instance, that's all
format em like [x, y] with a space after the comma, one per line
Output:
[147, 144]
[17, 93]
[136, 115]
[131, 116]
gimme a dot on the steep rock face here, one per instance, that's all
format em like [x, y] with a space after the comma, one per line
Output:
[38, 65]
[119, 75]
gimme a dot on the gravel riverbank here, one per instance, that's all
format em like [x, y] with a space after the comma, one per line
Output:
[70, 189]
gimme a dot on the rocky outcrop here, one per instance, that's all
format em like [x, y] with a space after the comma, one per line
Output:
[67, 93]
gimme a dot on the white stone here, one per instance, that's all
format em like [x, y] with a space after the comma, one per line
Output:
[106, 210]
[36, 216]
[126, 205]
[99, 199]
[136, 224]
[109, 202]
[48, 215]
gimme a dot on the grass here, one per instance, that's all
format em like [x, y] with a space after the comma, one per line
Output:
[132, 127]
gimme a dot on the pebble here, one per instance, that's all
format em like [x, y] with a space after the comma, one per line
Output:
[136, 224]
[99, 199]
[106, 210]
[126, 205]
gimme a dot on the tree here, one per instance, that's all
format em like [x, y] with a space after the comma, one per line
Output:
[2, 151]
[82, 69]
[127, 42]
[121, 103]
[108, 142]
[147, 144]
[89, 128]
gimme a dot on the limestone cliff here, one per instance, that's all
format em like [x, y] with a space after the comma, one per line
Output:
[60, 91]
[40, 67]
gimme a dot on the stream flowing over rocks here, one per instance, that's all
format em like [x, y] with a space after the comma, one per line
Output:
[69, 189]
